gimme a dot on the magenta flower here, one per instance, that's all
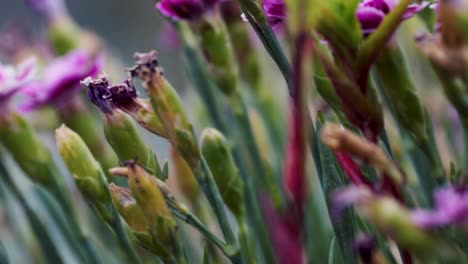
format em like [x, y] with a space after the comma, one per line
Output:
[371, 13]
[13, 78]
[61, 79]
[276, 12]
[185, 9]
[451, 207]
[49, 9]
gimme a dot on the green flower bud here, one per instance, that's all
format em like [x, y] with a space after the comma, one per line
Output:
[215, 149]
[135, 218]
[63, 35]
[123, 135]
[168, 106]
[184, 176]
[219, 54]
[128, 208]
[20, 139]
[86, 171]
[150, 198]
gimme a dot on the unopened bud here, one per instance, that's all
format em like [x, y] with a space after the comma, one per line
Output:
[86, 171]
[219, 53]
[124, 137]
[20, 139]
[215, 149]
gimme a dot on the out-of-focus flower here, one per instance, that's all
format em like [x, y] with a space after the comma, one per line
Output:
[169, 38]
[61, 79]
[276, 12]
[185, 9]
[451, 207]
[13, 78]
[284, 233]
[371, 13]
[49, 9]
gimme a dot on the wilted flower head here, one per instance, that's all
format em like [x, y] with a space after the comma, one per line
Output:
[107, 96]
[451, 207]
[185, 9]
[61, 79]
[49, 9]
[276, 12]
[371, 13]
[13, 78]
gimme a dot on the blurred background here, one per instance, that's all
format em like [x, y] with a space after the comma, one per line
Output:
[126, 26]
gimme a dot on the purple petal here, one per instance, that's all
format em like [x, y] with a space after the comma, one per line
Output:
[12, 79]
[276, 12]
[182, 9]
[49, 9]
[61, 79]
[369, 18]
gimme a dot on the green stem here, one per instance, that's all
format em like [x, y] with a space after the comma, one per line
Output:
[192, 220]
[208, 185]
[37, 224]
[244, 240]
[62, 194]
[123, 238]
[240, 111]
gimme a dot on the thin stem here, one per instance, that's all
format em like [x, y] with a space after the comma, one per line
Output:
[123, 238]
[62, 194]
[192, 220]
[211, 191]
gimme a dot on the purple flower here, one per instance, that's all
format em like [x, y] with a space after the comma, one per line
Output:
[49, 9]
[61, 79]
[276, 12]
[107, 97]
[185, 9]
[451, 207]
[371, 13]
[13, 78]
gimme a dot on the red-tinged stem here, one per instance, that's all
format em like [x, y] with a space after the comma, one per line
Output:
[352, 170]
[296, 146]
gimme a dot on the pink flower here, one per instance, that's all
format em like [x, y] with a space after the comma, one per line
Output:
[371, 13]
[13, 78]
[61, 79]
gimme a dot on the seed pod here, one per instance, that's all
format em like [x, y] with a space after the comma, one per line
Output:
[20, 139]
[168, 106]
[150, 199]
[215, 149]
[124, 137]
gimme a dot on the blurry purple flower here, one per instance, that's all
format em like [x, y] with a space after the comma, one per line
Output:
[276, 12]
[107, 97]
[13, 78]
[451, 207]
[185, 9]
[48, 9]
[169, 38]
[365, 245]
[371, 13]
[284, 233]
[61, 79]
